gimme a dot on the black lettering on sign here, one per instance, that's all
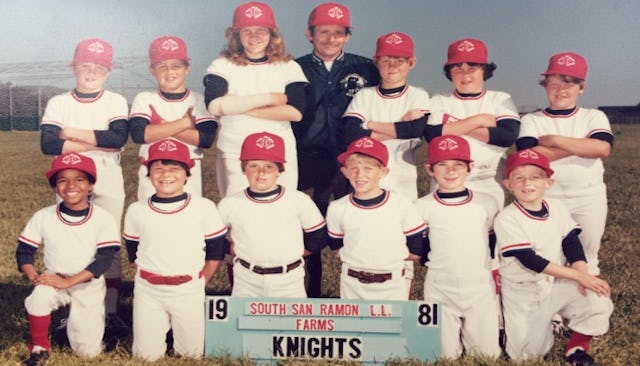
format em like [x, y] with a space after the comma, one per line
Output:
[218, 309]
[427, 315]
[310, 347]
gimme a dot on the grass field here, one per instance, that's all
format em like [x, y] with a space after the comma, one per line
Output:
[23, 190]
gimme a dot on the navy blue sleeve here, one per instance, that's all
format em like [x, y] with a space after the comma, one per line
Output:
[604, 136]
[526, 143]
[25, 254]
[137, 126]
[132, 249]
[115, 137]
[206, 133]
[431, 132]
[335, 243]
[350, 130]
[411, 129]
[214, 87]
[505, 133]
[415, 244]
[102, 261]
[426, 243]
[572, 247]
[50, 143]
[529, 259]
[492, 244]
[216, 248]
[296, 95]
[315, 240]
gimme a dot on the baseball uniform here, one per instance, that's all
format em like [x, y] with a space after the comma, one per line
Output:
[170, 239]
[270, 232]
[254, 78]
[531, 298]
[459, 274]
[374, 237]
[73, 241]
[171, 107]
[578, 181]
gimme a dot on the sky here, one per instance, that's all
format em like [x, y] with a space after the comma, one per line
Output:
[521, 35]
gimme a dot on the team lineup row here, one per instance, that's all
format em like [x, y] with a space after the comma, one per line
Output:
[345, 128]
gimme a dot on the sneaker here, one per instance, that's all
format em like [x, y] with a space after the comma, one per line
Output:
[580, 358]
[115, 327]
[37, 359]
[59, 334]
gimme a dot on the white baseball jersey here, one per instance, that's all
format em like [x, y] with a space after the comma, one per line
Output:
[486, 157]
[374, 237]
[572, 173]
[70, 244]
[578, 181]
[269, 232]
[250, 80]
[66, 110]
[170, 110]
[531, 299]
[171, 241]
[371, 105]
[459, 275]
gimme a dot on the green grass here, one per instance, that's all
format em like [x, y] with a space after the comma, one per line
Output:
[23, 190]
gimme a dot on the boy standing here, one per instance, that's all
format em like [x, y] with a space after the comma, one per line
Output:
[459, 260]
[393, 112]
[373, 230]
[536, 236]
[272, 227]
[172, 111]
[80, 240]
[176, 241]
[93, 121]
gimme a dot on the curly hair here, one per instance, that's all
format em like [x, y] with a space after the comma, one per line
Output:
[488, 69]
[275, 52]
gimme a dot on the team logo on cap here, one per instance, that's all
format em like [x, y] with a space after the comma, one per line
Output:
[71, 159]
[466, 46]
[335, 12]
[253, 12]
[394, 38]
[168, 146]
[364, 143]
[265, 142]
[567, 60]
[448, 144]
[96, 47]
[170, 45]
[529, 154]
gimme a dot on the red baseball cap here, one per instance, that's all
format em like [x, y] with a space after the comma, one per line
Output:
[169, 149]
[467, 50]
[366, 146]
[167, 48]
[527, 157]
[448, 147]
[567, 63]
[330, 14]
[394, 44]
[254, 13]
[263, 146]
[72, 160]
[94, 50]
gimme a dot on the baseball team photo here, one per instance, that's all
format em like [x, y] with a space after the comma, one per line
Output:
[319, 183]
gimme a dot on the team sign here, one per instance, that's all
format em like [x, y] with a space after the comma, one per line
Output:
[354, 330]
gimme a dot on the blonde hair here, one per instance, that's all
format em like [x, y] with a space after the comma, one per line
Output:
[275, 51]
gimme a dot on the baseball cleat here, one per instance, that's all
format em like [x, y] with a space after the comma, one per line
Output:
[37, 359]
[580, 358]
